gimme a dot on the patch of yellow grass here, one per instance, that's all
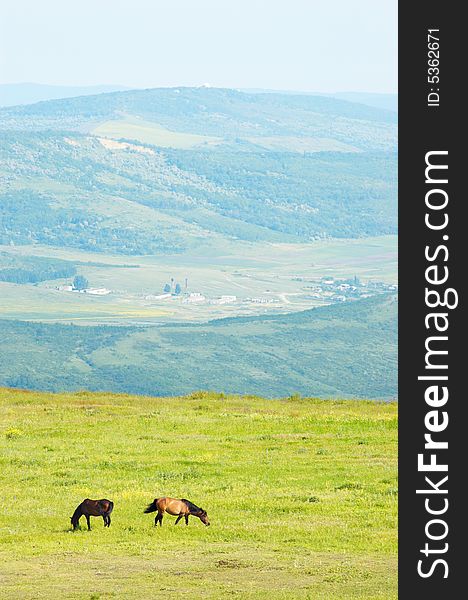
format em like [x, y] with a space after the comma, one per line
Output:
[150, 133]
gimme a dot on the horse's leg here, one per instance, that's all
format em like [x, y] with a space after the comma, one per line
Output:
[89, 522]
[160, 519]
[186, 519]
[178, 519]
[108, 521]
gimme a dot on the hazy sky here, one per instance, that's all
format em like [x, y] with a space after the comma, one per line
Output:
[309, 45]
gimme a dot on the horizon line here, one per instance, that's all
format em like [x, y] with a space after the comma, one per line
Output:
[126, 87]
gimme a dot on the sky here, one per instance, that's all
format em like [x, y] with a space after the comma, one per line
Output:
[302, 45]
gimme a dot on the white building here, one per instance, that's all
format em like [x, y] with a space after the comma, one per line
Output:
[260, 300]
[225, 300]
[97, 291]
[158, 296]
[193, 298]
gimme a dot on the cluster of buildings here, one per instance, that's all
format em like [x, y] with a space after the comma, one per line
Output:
[341, 290]
[261, 300]
[174, 289]
[91, 291]
[224, 300]
[326, 289]
[193, 298]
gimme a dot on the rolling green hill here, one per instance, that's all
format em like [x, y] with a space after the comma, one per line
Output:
[338, 350]
[72, 191]
[155, 171]
[225, 113]
[32, 269]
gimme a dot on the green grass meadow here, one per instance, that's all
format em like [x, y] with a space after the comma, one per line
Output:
[151, 133]
[301, 495]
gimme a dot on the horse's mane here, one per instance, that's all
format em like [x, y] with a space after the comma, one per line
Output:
[191, 506]
[77, 514]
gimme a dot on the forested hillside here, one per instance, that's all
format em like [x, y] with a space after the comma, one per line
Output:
[228, 114]
[154, 171]
[340, 350]
[70, 190]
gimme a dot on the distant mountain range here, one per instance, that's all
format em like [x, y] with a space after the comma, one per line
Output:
[385, 101]
[217, 111]
[12, 94]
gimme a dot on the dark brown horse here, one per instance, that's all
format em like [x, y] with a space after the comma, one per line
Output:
[93, 508]
[177, 508]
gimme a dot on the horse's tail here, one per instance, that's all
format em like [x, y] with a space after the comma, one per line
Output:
[152, 507]
[111, 507]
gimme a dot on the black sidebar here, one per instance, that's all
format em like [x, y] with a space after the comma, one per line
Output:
[433, 431]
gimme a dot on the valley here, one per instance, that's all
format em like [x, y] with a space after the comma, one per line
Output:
[253, 279]
[244, 242]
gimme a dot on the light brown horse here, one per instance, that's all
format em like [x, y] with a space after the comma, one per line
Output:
[94, 508]
[177, 508]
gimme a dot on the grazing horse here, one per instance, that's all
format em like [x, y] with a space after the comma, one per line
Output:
[177, 508]
[93, 508]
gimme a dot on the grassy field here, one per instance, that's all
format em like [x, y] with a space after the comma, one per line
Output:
[301, 495]
[148, 132]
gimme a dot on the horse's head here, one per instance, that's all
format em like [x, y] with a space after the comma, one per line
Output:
[203, 517]
[74, 522]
